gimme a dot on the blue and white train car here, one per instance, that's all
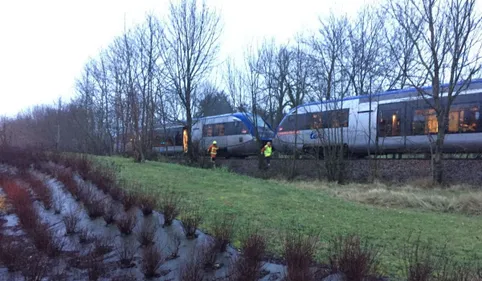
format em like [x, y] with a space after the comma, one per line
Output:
[401, 121]
[234, 133]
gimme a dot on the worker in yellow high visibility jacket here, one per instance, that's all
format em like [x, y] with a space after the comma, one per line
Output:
[267, 150]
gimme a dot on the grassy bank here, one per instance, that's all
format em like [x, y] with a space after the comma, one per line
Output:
[274, 207]
[460, 199]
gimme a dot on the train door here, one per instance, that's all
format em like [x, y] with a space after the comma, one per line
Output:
[236, 136]
[391, 127]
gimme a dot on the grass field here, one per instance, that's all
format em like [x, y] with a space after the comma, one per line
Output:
[275, 207]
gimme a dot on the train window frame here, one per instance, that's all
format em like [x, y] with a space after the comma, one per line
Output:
[427, 120]
[303, 122]
[218, 128]
[465, 107]
[388, 130]
[401, 109]
[206, 128]
[470, 99]
[327, 120]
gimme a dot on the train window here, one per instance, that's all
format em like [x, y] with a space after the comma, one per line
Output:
[335, 118]
[157, 139]
[424, 122]
[230, 128]
[207, 131]
[463, 119]
[296, 122]
[317, 121]
[389, 123]
[178, 138]
[243, 129]
[219, 130]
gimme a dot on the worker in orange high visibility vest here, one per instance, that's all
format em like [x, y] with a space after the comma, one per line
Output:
[213, 150]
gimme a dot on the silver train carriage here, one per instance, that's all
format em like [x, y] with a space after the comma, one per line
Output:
[233, 132]
[401, 122]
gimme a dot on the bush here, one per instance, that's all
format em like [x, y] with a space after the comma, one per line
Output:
[95, 207]
[147, 235]
[129, 200]
[147, 203]
[354, 260]
[299, 251]
[208, 253]
[126, 222]
[249, 265]
[44, 240]
[36, 266]
[190, 223]
[85, 236]
[126, 253]
[71, 220]
[419, 259]
[95, 267]
[20, 200]
[117, 193]
[193, 269]
[424, 262]
[102, 246]
[12, 253]
[223, 231]
[41, 190]
[152, 260]
[170, 207]
[109, 214]
[66, 177]
[175, 245]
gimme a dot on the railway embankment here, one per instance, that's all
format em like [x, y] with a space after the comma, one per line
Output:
[456, 171]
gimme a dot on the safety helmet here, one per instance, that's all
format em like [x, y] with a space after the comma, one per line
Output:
[214, 142]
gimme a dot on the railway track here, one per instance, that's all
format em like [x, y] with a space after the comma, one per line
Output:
[307, 158]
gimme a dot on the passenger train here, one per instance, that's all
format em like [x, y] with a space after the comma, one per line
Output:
[401, 122]
[233, 132]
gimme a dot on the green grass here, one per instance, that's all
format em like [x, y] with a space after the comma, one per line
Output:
[275, 207]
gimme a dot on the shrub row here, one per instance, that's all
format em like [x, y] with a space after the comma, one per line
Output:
[41, 233]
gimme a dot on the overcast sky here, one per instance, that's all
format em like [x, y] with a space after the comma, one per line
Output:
[45, 44]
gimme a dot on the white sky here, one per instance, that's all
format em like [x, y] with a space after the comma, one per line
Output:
[45, 44]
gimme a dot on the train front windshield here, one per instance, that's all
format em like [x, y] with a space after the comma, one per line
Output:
[264, 129]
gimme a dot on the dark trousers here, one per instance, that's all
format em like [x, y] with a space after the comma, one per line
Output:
[268, 159]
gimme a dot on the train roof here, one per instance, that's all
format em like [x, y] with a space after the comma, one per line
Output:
[391, 94]
[240, 115]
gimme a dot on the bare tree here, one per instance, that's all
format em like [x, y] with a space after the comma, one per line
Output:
[274, 67]
[245, 86]
[447, 39]
[189, 47]
[298, 84]
[330, 54]
[5, 132]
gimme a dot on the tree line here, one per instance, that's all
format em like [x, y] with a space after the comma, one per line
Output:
[161, 71]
